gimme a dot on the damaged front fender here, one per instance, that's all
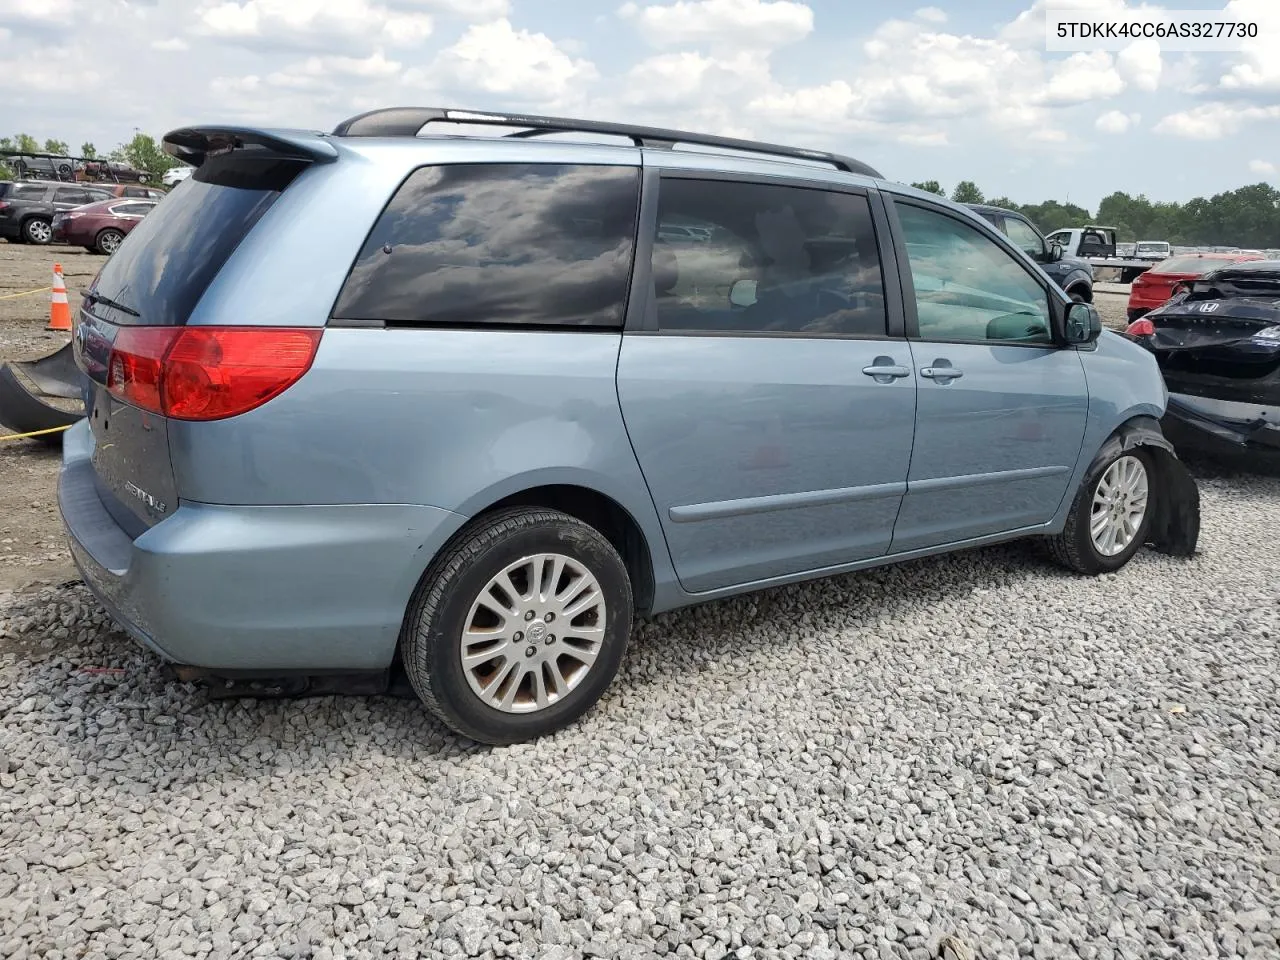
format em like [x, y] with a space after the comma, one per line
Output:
[1175, 523]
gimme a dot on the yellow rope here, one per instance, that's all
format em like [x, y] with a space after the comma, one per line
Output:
[35, 433]
[26, 293]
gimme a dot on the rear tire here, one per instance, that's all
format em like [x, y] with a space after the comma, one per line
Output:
[1107, 504]
[527, 673]
[37, 230]
[108, 242]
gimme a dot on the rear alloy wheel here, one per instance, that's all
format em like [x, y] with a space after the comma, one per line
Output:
[37, 230]
[1110, 517]
[108, 241]
[517, 629]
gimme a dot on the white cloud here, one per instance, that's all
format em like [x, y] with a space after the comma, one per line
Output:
[305, 23]
[722, 23]
[1213, 121]
[1140, 64]
[1116, 121]
[931, 15]
[1258, 71]
[497, 59]
[1083, 77]
[49, 12]
[1264, 167]
[170, 45]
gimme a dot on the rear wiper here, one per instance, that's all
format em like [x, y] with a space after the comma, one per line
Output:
[114, 304]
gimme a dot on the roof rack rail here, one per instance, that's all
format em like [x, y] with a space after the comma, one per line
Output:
[409, 121]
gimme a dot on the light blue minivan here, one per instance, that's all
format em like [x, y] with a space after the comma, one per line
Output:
[465, 404]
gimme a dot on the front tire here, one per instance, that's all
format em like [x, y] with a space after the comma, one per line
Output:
[517, 628]
[1110, 517]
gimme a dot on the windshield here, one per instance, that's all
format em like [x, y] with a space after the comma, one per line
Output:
[1152, 247]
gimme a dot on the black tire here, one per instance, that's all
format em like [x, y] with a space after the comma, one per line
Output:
[1074, 547]
[1077, 295]
[32, 233]
[430, 640]
[102, 243]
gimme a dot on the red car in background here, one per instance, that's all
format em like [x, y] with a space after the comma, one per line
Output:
[1155, 287]
[100, 227]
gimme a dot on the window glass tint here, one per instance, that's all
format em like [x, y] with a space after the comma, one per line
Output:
[967, 288]
[757, 258]
[130, 209]
[29, 191]
[510, 244]
[1023, 236]
[1195, 265]
[73, 195]
[174, 252]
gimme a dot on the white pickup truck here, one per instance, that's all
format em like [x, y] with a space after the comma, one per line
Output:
[1097, 244]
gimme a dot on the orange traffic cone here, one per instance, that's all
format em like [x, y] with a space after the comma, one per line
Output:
[59, 309]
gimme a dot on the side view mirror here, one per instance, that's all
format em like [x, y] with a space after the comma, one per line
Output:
[742, 293]
[1055, 252]
[1081, 323]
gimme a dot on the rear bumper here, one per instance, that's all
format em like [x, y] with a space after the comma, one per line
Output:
[1234, 432]
[293, 588]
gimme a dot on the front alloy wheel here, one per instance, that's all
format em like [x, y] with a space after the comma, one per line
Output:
[1110, 515]
[1119, 506]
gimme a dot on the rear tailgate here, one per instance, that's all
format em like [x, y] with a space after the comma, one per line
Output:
[138, 305]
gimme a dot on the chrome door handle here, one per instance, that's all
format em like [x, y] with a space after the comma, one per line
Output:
[941, 373]
[884, 370]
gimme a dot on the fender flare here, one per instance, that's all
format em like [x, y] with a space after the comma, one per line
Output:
[1175, 523]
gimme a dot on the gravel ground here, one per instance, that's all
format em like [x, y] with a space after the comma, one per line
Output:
[977, 746]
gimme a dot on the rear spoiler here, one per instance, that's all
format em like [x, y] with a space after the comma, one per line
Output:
[194, 145]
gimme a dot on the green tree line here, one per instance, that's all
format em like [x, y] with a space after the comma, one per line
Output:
[142, 153]
[1248, 216]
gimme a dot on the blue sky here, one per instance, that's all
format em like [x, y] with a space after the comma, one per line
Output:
[942, 90]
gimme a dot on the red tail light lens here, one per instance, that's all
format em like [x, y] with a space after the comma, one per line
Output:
[208, 373]
[1140, 328]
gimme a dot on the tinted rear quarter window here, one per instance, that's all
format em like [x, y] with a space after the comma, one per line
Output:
[761, 258]
[29, 191]
[174, 253]
[530, 245]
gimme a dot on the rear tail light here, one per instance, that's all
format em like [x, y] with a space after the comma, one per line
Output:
[207, 373]
[4, 205]
[1140, 328]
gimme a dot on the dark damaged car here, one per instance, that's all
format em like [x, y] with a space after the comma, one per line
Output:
[1217, 341]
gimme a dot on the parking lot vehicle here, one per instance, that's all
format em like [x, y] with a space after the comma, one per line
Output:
[100, 227]
[1073, 274]
[27, 208]
[1097, 245]
[500, 417]
[1154, 287]
[174, 175]
[113, 170]
[1153, 250]
[1217, 341]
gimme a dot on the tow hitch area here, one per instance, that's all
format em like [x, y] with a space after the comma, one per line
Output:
[27, 387]
[1217, 341]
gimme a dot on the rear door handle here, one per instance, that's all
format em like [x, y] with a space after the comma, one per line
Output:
[884, 370]
[943, 374]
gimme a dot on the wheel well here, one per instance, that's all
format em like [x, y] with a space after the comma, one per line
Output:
[607, 516]
[1082, 288]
